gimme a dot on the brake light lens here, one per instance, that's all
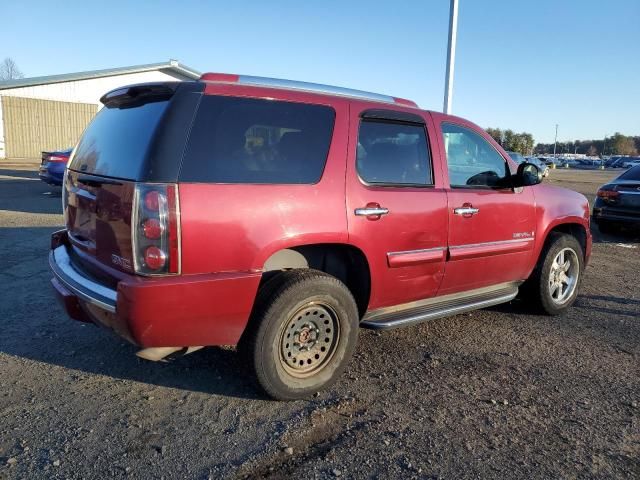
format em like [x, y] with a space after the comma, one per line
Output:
[608, 192]
[58, 159]
[155, 229]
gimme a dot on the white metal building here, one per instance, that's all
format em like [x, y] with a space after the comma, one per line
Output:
[47, 113]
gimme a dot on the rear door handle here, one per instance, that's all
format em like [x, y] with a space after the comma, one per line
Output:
[466, 211]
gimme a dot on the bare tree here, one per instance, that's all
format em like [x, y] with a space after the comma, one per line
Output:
[9, 70]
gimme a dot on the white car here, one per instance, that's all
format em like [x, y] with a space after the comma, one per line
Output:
[631, 163]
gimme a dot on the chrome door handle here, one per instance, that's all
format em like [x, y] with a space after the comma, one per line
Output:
[466, 211]
[365, 212]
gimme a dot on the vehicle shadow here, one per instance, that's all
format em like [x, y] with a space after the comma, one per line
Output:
[622, 236]
[33, 196]
[31, 174]
[36, 327]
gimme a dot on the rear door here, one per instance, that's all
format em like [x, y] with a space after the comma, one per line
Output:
[396, 204]
[491, 225]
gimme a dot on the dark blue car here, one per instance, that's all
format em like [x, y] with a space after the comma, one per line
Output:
[53, 165]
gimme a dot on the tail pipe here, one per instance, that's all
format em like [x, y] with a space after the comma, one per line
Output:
[157, 354]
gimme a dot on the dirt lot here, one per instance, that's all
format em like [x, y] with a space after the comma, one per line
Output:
[499, 393]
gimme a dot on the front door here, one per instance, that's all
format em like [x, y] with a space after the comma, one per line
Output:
[491, 225]
[396, 205]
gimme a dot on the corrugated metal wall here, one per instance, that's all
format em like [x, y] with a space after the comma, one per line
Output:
[33, 125]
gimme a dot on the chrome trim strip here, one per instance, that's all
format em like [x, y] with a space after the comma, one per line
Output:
[409, 252]
[313, 87]
[81, 286]
[487, 244]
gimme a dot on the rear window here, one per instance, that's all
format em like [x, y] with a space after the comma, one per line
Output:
[115, 143]
[632, 174]
[244, 140]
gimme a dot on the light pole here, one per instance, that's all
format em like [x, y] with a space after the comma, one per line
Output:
[451, 56]
[604, 145]
[555, 142]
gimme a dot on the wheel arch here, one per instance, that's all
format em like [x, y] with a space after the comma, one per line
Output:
[344, 261]
[575, 228]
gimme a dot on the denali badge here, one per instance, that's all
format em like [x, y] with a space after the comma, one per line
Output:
[121, 262]
[523, 235]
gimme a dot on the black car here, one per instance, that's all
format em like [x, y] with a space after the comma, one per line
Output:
[618, 202]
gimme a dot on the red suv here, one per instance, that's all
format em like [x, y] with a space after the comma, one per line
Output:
[281, 216]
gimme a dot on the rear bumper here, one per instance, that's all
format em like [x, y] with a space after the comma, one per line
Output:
[616, 216]
[173, 311]
[52, 175]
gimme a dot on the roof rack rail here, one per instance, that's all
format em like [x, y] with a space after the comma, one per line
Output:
[305, 86]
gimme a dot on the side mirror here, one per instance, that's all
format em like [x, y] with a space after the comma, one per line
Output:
[528, 174]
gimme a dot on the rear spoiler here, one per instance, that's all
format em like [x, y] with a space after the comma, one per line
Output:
[136, 95]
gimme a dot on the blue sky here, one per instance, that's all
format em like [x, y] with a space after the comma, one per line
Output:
[525, 65]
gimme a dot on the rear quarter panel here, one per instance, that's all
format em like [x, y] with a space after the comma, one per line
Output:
[236, 227]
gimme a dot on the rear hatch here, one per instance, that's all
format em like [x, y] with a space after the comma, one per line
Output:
[138, 136]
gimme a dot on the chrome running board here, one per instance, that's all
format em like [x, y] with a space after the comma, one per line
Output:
[439, 307]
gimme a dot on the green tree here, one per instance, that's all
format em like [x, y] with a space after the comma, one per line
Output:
[622, 144]
[496, 134]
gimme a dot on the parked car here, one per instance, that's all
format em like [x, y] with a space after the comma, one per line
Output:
[281, 216]
[618, 202]
[518, 158]
[53, 165]
[630, 162]
[544, 168]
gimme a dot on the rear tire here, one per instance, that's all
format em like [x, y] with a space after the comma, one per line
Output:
[301, 335]
[553, 285]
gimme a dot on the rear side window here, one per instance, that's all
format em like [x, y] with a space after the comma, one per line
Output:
[245, 140]
[632, 174]
[116, 141]
[393, 153]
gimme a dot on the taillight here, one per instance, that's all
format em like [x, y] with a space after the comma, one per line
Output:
[155, 229]
[608, 193]
[58, 159]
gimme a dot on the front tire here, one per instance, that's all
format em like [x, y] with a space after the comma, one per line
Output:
[553, 286]
[302, 333]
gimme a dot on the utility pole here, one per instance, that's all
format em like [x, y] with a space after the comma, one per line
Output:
[555, 143]
[451, 56]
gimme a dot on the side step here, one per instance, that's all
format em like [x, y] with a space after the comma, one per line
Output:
[439, 307]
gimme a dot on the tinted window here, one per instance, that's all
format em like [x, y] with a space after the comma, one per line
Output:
[472, 161]
[632, 174]
[244, 140]
[393, 153]
[116, 142]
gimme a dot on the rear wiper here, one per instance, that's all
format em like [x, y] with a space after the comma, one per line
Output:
[94, 182]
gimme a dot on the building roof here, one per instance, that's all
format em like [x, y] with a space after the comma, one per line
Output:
[172, 65]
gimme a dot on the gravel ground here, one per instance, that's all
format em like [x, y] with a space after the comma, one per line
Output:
[498, 393]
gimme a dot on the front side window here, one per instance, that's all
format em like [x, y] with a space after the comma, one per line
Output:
[247, 140]
[472, 161]
[393, 153]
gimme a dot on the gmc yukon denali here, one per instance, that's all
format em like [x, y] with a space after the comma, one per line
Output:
[281, 216]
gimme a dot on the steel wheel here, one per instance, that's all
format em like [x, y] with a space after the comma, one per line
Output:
[309, 340]
[563, 276]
